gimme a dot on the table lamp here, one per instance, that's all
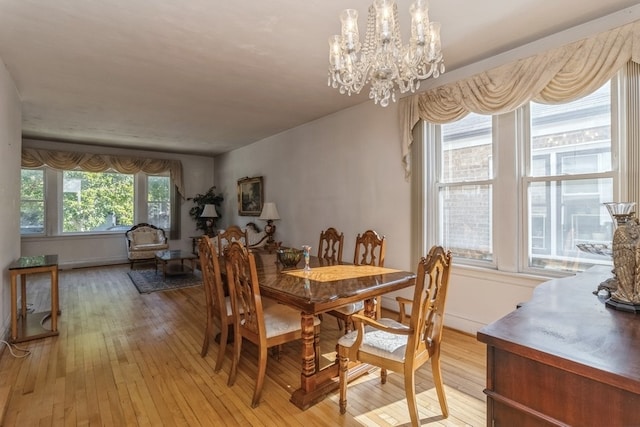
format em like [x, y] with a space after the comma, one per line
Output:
[269, 213]
[210, 213]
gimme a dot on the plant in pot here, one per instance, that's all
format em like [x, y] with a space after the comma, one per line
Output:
[204, 223]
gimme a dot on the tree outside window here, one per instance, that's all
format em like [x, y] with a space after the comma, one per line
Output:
[96, 201]
[32, 201]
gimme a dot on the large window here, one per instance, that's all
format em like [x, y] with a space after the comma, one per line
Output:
[32, 205]
[570, 177]
[96, 201]
[530, 182]
[466, 180]
[88, 202]
[158, 201]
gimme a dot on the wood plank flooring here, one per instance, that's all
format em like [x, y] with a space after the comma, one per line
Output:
[125, 359]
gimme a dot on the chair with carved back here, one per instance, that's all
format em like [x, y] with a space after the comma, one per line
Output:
[330, 245]
[369, 250]
[401, 348]
[265, 325]
[218, 306]
[231, 234]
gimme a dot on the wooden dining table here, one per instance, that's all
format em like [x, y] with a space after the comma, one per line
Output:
[325, 287]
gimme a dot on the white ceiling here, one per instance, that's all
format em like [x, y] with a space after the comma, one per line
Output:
[207, 76]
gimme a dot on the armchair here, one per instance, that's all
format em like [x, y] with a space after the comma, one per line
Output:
[402, 348]
[143, 241]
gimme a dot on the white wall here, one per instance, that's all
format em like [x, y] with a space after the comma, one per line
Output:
[345, 171]
[10, 147]
[79, 251]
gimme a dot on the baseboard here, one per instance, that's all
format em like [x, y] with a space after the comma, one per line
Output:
[86, 264]
[462, 324]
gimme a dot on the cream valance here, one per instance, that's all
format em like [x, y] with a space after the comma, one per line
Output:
[63, 160]
[559, 75]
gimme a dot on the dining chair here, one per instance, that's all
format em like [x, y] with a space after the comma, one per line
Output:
[369, 250]
[231, 234]
[330, 246]
[394, 346]
[218, 306]
[265, 325]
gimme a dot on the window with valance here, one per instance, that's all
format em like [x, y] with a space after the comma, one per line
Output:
[558, 76]
[162, 187]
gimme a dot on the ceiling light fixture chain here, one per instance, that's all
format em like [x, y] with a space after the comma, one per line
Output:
[382, 61]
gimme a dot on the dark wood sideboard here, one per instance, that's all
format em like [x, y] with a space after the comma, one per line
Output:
[563, 358]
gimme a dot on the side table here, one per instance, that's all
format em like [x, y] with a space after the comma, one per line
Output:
[31, 325]
[165, 257]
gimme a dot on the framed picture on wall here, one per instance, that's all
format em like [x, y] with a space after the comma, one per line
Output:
[250, 196]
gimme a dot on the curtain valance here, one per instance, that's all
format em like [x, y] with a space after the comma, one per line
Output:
[559, 75]
[63, 160]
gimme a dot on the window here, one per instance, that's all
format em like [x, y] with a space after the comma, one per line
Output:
[32, 206]
[96, 201]
[571, 176]
[530, 182]
[88, 202]
[158, 201]
[466, 179]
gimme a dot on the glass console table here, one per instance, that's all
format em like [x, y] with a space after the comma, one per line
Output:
[30, 326]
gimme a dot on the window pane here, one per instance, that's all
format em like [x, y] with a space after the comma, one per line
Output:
[467, 236]
[570, 139]
[96, 201]
[563, 214]
[467, 149]
[158, 201]
[32, 201]
[573, 137]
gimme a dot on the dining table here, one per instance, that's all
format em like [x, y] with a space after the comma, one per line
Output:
[325, 286]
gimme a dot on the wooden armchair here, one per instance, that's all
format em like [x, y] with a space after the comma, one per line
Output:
[370, 250]
[330, 246]
[394, 346]
[218, 306]
[265, 325]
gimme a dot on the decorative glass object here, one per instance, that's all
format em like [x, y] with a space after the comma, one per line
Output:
[603, 249]
[290, 257]
[307, 252]
[382, 60]
[621, 212]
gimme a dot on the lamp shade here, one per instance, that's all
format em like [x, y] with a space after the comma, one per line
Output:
[269, 212]
[209, 211]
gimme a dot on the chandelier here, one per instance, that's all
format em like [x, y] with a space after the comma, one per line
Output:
[382, 60]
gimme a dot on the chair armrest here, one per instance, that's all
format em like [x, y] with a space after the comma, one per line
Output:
[402, 303]
[368, 321]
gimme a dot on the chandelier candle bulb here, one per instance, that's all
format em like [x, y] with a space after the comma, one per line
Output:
[383, 16]
[350, 33]
[419, 21]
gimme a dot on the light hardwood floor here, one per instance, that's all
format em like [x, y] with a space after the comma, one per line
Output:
[128, 359]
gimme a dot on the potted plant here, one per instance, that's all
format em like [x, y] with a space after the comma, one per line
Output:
[200, 200]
